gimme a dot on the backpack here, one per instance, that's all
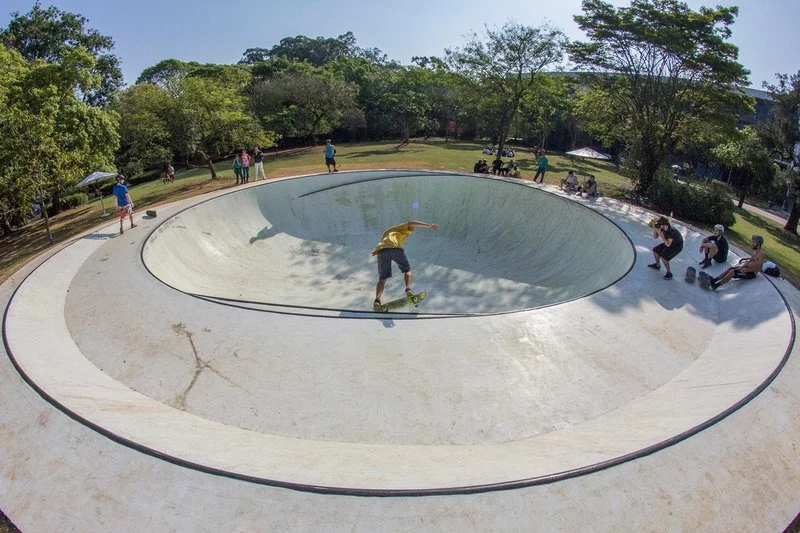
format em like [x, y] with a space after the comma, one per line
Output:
[771, 269]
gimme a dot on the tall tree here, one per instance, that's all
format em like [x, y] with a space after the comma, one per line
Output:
[782, 132]
[747, 156]
[660, 63]
[503, 66]
[48, 34]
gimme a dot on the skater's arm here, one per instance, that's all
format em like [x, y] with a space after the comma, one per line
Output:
[418, 224]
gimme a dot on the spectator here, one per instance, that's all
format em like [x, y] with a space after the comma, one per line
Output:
[123, 202]
[569, 182]
[509, 167]
[714, 247]
[330, 151]
[589, 187]
[497, 166]
[245, 167]
[747, 268]
[516, 172]
[670, 246]
[477, 167]
[237, 169]
[484, 167]
[258, 157]
[541, 162]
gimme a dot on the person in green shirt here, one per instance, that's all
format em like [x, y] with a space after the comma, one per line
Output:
[390, 248]
[542, 166]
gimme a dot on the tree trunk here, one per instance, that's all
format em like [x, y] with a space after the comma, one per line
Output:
[46, 218]
[794, 216]
[210, 165]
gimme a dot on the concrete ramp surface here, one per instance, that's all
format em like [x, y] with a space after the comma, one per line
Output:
[501, 246]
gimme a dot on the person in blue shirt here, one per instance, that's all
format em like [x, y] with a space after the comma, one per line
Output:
[123, 201]
[330, 151]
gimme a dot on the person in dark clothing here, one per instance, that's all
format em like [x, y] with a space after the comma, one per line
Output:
[714, 247]
[670, 246]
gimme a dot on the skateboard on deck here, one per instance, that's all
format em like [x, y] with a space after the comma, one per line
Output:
[414, 300]
[704, 280]
[691, 273]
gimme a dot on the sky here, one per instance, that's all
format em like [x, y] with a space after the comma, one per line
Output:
[209, 31]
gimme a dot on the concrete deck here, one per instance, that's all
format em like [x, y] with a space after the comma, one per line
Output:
[225, 352]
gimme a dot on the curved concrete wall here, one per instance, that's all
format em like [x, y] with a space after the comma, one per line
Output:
[502, 246]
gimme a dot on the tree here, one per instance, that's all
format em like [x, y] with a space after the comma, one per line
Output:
[317, 51]
[303, 102]
[782, 132]
[49, 137]
[746, 154]
[660, 63]
[548, 104]
[48, 34]
[144, 127]
[502, 68]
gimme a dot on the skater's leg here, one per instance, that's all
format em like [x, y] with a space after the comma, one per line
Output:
[379, 289]
[408, 278]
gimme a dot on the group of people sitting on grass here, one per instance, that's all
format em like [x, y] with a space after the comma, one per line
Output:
[569, 183]
[505, 152]
[498, 168]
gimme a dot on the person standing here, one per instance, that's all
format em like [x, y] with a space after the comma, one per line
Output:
[390, 248]
[330, 151]
[747, 268]
[541, 166]
[258, 157]
[245, 167]
[670, 246]
[237, 169]
[123, 202]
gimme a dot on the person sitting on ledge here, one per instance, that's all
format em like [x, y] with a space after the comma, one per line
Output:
[589, 187]
[497, 166]
[569, 182]
[746, 269]
[714, 247]
[477, 167]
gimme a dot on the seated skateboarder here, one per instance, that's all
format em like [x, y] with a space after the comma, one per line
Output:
[390, 248]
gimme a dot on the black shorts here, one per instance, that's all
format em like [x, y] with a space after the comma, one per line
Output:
[385, 258]
[667, 253]
[330, 161]
[741, 274]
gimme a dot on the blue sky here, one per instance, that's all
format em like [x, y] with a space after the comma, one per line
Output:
[148, 31]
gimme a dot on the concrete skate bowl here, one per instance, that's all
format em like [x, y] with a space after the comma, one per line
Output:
[305, 243]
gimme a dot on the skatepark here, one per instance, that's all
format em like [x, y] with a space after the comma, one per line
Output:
[219, 366]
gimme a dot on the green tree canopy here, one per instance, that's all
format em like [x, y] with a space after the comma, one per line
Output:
[50, 34]
[660, 63]
[500, 69]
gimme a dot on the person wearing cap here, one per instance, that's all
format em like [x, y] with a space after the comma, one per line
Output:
[671, 245]
[330, 151]
[714, 247]
[122, 199]
[747, 268]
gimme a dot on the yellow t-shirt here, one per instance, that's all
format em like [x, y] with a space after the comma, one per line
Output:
[394, 237]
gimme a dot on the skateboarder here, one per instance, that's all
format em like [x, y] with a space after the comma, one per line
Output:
[390, 248]
[330, 151]
[122, 199]
[747, 268]
[714, 247]
[670, 246]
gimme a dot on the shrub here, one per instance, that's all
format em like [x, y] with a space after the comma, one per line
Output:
[701, 202]
[74, 200]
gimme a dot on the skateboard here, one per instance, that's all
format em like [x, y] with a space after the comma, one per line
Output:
[414, 300]
[691, 273]
[704, 280]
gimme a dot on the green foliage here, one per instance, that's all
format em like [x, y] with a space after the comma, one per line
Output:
[50, 34]
[707, 203]
[750, 161]
[499, 71]
[74, 200]
[662, 66]
[317, 51]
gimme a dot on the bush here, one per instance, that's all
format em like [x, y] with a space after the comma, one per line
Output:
[74, 200]
[701, 202]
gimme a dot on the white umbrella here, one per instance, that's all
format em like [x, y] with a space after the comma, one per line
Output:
[94, 177]
[589, 153]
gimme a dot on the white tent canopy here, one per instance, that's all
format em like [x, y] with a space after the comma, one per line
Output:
[95, 176]
[589, 153]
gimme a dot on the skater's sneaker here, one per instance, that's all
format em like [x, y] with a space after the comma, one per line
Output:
[655, 266]
[668, 275]
[376, 305]
[705, 263]
[409, 292]
[714, 284]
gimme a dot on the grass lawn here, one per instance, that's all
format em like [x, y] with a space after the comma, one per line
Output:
[434, 154]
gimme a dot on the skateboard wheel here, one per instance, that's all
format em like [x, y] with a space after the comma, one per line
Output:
[415, 299]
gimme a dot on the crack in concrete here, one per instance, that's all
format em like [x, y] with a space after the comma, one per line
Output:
[199, 366]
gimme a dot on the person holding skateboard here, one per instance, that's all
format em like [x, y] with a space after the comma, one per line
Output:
[746, 269]
[671, 245]
[390, 248]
